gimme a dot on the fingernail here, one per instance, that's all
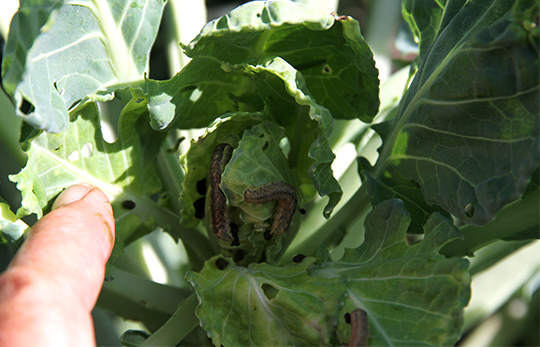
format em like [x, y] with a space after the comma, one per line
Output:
[72, 194]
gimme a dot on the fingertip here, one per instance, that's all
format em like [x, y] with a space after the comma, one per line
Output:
[86, 199]
[72, 194]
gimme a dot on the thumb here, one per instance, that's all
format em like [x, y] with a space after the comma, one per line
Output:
[53, 282]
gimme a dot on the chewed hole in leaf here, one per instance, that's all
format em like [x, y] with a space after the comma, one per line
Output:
[411, 239]
[110, 112]
[298, 258]
[327, 70]
[285, 146]
[195, 95]
[201, 186]
[75, 103]
[128, 204]
[269, 291]
[108, 132]
[234, 231]
[87, 150]
[222, 23]
[265, 146]
[73, 156]
[199, 207]
[60, 91]
[221, 263]
[469, 210]
[26, 107]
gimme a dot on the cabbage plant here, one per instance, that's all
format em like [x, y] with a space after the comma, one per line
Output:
[279, 248]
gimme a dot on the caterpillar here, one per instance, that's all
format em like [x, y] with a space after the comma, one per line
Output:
[286, 198]
[360, 328]
[218, 202]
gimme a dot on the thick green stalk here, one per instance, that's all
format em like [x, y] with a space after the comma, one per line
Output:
[182, 322]
[519, 216]
[10, 129]
[185, 19]
[155, 296]
[491, 254]
[136, 298]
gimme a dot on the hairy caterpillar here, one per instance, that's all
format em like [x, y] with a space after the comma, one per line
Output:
[286, 198]
[218, 202]
[360, 328]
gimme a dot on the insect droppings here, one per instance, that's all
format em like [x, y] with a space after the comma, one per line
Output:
[128, 204]
[286, 198]
[218, 202]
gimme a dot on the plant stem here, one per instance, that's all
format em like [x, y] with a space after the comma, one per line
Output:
[182, 322]
[10, 129]
[153, 295]
[185, 19]
[493, 253]
[518, 217]
[140, 299]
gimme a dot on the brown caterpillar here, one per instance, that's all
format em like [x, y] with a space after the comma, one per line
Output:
[360, 328]
[286, 198]
[218, 202]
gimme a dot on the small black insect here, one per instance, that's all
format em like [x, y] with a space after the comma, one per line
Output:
[302, 211]
[347, 317]
[128, 204]
[267, 235]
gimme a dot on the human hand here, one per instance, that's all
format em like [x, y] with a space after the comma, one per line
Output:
[52, 284]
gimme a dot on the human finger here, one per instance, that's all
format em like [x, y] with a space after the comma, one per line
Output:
[51, 286]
